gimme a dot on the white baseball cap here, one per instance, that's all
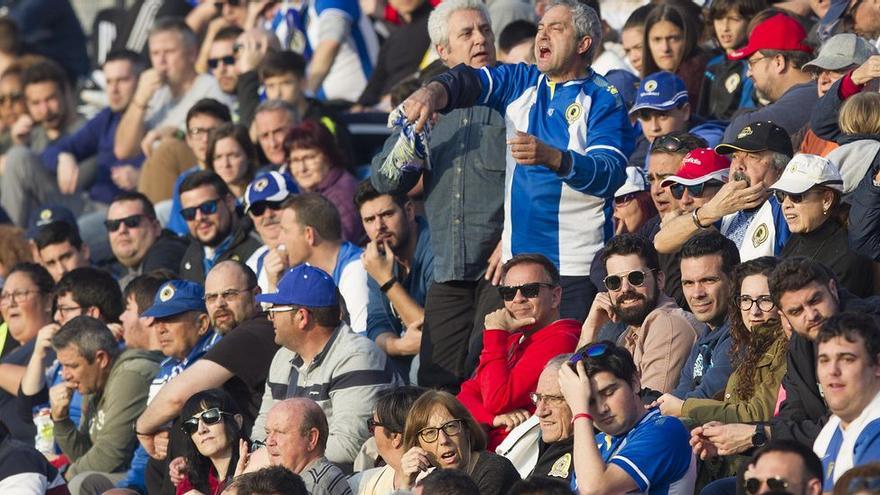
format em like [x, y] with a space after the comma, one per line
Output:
[805, 171]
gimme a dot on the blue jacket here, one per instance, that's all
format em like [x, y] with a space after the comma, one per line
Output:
[708, 368]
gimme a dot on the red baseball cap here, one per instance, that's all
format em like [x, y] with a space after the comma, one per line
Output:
[779, 32]
[699, 166]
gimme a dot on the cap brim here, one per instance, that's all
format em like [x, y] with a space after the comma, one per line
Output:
[828, 63]
[728, 148]
[792, 185]
[165, 310]
[719, 175]
[744, 52]
[662, 108]
[273, 298]
[623, 191]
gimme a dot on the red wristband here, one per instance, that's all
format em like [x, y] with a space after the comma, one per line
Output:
[579, 416]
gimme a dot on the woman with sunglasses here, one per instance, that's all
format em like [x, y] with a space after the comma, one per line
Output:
[633, 206]
[809, 191]
[440, 433]
[212, 423]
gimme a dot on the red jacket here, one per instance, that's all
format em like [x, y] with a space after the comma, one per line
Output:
[510, 365]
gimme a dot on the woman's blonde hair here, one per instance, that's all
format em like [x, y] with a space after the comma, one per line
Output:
[421, 411]
[860, 114]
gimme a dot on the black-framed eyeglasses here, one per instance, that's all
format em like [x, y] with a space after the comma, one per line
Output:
[209, 417]
[450, 429]
[636, 278]
[535, 397]
[745, 303]
[529, 291]
[795, 198]
[870, 484]
[207, 208]
[667, 143]
[626, 198]
[195, 132]
[226, 295]
[213, 63]
[18, 296]
[67, 310]
[257, 209]
[11, 98]
[372, 424]
[130, 222]
[596, 350]
[695, 190]
[776, 483]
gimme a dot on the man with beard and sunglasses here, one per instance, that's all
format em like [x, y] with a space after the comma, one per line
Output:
[657, 332]
[518, 341]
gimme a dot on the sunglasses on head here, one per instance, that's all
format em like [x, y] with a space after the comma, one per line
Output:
[209, 417]
[207, 208]
[695, 191]
[753, 485]
[596, 350]
[667, 143]
[636, 278]
[260, 207]
[529, 291]
[131, 222]
[213, 63]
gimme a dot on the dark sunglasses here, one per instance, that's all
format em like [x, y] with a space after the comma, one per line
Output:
[260, 207]
[508, 293]
[667, 143]
[636, 278]
[131, 222]
[213, 63]
[626, 198]
[209, 417]
[597, 350]
[795, 198]
[11, 98]
[207, 208]
[695, 191]
[753, 485]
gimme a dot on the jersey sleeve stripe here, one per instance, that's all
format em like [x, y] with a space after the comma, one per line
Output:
[625, 463]
[605, 147]
[491, 84]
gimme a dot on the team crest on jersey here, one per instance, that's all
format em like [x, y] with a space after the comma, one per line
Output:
[747, 131]
[761, 234]
[650, 86]
[46, 215]
[261, 184]
[561, 467]
[612, 89]
[167, 293]
[297, 42]
[573, 112]
[732, 82]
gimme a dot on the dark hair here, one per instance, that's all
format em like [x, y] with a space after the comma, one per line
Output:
[312, 135]
[240, 135]
[38, 275]
[57, 232]
[138, 63]
[709, 243]
[812, 464]
[177, 25]
[201, 178]
[850, 325]
[448, 482]
[745, 8]
[517, 32]
[88, 335]
[796, 58]
[45, 71]
[145, 202]
[550, 270]
[282, 62]
[144, 288]
[272, 480]
[795, 273]
[93, 287]
[393, 405]
[616, 360]
[857, 479]
[198, 465]
[228, 33]
[209, 106]
[689, 142]
[10, 36]
[638, 17]
[682, 19]
[328, 317]
[366, 192]
[540, 485]
[749, 346]
[316, 211]
[402, 90]
[624, 244]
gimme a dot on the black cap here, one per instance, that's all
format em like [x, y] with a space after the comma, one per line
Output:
[759, 136]
[48, 214]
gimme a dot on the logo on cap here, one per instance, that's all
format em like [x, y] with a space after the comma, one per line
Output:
[46, 214]
[650, 86]
[167, 293]
[261, 184]
[747, 131]
[761, 234]
[573, 112]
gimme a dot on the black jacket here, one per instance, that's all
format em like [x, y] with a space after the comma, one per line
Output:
[164, 253]
[244, 242]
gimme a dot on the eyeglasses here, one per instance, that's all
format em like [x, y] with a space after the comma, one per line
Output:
[745, 303]
[754, 61]
[795, 198]
[530, 291]
[870, 484]
[636, 278]
[667, 143]
[310, 158]
[11, 98]
[280, 309]
[195, 132]
[372, 424]
[213, 297]
[431, 433]
[18, 296]
[65, 310]
[130, 222]
[535, 397]
[591, 351]
[753, 485]
[213, 63]
[207, 208]
[626, 198]
[695, 191]
[257, 209]
[209, 417]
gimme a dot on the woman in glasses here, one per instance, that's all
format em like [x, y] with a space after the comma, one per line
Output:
[233, 156]
[211, 421]
[633, 206]
[809, 191]
[440, 433]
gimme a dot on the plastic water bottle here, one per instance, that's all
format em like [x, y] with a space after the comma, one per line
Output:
[45, 438]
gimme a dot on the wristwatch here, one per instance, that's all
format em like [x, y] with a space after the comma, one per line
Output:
[759, 439]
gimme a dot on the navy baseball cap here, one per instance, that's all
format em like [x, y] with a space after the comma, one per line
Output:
[303, 285]
[48, 214]
[175, 297]
[268, 186]
[660, 91]
[627, 85]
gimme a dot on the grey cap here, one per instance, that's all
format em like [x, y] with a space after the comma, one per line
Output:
[841, 51]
